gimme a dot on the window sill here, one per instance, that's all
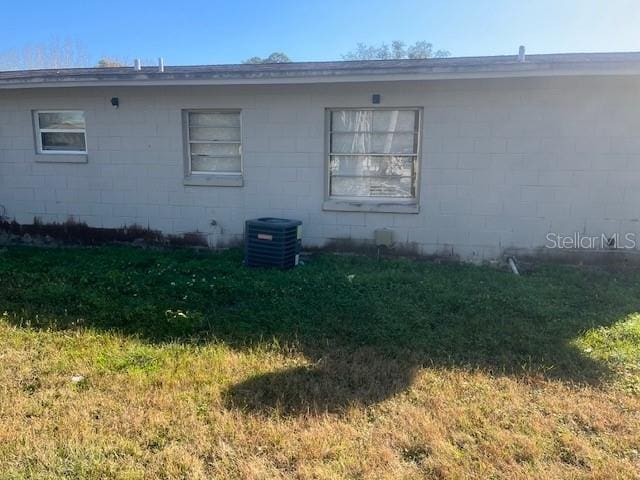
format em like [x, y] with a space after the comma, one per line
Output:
[62, 158]
[373, 206]
[213, 181]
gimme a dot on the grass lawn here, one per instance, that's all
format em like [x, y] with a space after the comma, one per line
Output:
[188, 365]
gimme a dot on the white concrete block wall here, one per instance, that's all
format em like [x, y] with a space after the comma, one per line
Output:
[503, 163]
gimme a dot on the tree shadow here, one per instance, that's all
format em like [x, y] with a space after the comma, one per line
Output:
[334, 382]
[341, 377]
[366, 327]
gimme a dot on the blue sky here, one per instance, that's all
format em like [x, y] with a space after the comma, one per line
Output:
[200, 32]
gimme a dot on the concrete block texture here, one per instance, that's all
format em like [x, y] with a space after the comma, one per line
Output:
[502, 162]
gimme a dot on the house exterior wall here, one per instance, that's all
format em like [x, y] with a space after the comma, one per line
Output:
[503, 162]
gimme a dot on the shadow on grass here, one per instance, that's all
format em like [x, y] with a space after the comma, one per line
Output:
[363, 375]
[366, 327]
[336, 381]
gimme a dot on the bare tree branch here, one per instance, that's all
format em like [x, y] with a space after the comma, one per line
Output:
[55, 53]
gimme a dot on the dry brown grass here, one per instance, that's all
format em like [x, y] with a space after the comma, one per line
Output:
[172, 420]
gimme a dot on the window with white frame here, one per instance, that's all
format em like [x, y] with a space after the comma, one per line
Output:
[373, 152]
[60, 131]
[214, 142]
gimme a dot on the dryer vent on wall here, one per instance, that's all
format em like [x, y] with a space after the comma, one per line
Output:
[272, 242]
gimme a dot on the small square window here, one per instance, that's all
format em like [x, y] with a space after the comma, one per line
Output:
[60, 132]
[213, 141]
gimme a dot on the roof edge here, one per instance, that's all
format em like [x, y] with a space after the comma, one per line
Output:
[593, 64]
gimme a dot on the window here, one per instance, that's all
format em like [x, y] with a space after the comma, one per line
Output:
[213, 142]
[60, 132]
[373, 153]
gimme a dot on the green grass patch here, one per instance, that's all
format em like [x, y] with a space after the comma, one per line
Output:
[138, 358]
[618, 346]
[443, 314]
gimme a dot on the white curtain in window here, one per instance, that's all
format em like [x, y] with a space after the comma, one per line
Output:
[373, 152]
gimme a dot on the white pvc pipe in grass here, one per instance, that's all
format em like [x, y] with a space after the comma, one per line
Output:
[512, 263]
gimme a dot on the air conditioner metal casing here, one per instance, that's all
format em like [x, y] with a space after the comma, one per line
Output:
[272, 242]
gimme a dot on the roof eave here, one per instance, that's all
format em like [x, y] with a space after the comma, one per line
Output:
[436, 73]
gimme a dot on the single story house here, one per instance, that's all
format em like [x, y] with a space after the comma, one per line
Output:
[471, 157]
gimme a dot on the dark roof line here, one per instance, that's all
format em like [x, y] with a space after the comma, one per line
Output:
[306, 72]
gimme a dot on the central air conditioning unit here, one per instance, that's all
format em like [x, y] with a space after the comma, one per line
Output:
[272, 242]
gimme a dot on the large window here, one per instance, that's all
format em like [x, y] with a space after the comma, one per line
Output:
[60, 131]
[214, 143]
[373, 152]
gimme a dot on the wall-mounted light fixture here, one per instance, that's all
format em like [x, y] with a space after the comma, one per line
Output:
[115, 101]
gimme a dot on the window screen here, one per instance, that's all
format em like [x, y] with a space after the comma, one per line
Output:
[373, 153]
[214, 142]
[61, 131]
